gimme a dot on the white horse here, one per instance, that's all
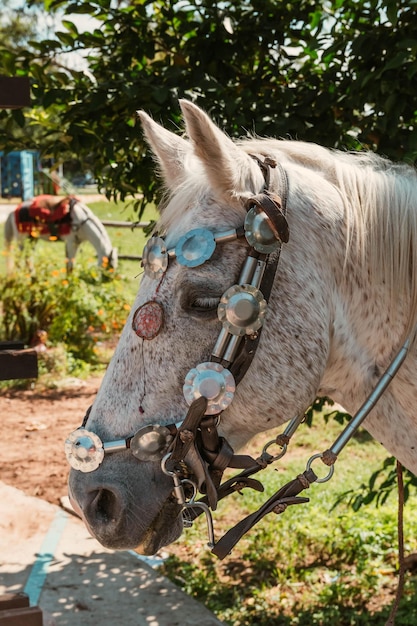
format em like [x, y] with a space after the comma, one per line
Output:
[55, 218]
[341, 304]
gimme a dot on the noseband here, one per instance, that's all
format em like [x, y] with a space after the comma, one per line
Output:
[192, 452]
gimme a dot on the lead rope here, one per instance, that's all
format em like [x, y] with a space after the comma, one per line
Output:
[401, 564]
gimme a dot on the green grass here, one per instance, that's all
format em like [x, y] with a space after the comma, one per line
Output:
[316, 564]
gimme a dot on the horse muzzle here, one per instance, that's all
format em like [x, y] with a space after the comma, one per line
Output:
[121, 511]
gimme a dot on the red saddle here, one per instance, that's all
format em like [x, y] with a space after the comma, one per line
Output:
[35, 218]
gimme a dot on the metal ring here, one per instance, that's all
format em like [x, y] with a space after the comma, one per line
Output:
[277, 456]
[84, 450]
[331, 469]
[164, 462]
[191, 500]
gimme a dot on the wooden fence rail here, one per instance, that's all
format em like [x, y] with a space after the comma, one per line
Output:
[132, 226]
[16, 362]
[15, 611]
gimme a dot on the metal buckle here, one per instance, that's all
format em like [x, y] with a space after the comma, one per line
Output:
[189, 504]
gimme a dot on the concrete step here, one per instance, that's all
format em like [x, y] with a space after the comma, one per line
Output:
[47, 553]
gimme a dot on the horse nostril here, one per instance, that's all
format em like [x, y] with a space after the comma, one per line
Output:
[104, 506]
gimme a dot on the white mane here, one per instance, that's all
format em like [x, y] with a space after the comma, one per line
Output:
[380, 200]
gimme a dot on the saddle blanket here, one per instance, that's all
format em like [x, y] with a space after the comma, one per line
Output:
[35, 218]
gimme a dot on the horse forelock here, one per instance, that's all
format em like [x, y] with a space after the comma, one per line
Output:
[194, 191]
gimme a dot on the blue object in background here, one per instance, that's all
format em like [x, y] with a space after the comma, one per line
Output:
[18, 171]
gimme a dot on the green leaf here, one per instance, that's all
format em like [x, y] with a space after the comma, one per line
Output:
[19, 117]
[284, 71]
[397, 61]
[66, 38]
[71, 27]
[392, 12]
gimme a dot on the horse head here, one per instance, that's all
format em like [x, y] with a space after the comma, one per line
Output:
[199, 313]
[86, 226]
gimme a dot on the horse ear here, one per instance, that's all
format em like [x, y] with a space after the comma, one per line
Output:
[229, 168]
[169, 149]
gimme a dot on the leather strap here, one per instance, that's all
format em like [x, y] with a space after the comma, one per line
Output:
[187, 432]
[276, 209]
[197, 441]
[250, 343]
[272, 204]
[278, 503]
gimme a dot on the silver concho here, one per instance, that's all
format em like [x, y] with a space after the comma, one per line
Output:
[155, 257]
[195, 247]
[259, 233]
[150, 443]
[212, 381]
[84, 450]
[242, 309]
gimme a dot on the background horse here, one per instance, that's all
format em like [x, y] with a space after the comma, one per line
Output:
[342, 302]
[60, 218]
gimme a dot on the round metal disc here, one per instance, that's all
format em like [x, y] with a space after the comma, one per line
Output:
[155, 257]
[242, 309]
[84, 450]
[212, 381]
[148, 320]
[150, 443]
[195, 247]
[259, 233]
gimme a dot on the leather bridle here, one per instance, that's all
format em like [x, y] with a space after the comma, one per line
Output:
[192, 452]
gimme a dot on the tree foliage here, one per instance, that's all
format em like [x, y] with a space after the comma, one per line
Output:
[17, 24]
[341, 73]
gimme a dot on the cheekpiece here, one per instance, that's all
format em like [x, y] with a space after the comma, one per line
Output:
[84, 450]
[151, 442]
[212, 381]
[195, 247]
[155, 257]
[242, 310]
[259, 233]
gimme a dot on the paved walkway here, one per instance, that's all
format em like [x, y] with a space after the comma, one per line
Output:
[48, 553]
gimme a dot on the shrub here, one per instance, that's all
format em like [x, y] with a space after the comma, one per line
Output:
[76, 310]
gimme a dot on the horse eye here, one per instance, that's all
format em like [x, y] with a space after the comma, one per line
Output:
[200, 304]
[205, 303]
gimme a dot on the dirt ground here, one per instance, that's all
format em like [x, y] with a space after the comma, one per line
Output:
[33, 427]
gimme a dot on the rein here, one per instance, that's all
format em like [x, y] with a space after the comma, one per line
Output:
[193, 453]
